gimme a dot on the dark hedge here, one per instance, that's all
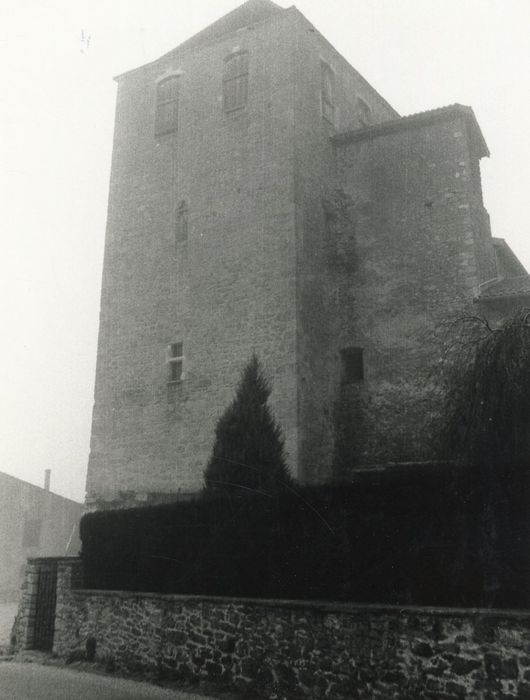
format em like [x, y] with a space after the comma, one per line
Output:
[429, 536]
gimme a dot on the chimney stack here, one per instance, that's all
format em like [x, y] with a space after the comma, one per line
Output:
[47, 474]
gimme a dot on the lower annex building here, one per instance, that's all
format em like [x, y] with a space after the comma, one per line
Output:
[265, 198]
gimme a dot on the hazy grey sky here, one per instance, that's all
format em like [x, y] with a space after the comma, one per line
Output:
[56, 116]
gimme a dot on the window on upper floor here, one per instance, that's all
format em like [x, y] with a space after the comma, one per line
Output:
[327, 92]
[167, 105]
[175, 361]
[352, 365]
[235, 81]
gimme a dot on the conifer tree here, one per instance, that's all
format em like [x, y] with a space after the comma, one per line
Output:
[248, 453]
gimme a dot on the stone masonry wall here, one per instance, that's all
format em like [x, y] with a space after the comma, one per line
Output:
[315, 168]
[235, 285]
[289, 649]
[226, 291]
[402, 253]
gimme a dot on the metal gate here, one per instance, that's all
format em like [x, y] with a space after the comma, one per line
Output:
[45, 607]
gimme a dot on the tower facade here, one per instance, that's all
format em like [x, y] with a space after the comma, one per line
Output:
[264, 198]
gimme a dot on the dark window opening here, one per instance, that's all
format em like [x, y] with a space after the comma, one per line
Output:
[235, 81]
[352, 365]
[167, 102]
[175, 361]
[327, 89]
[31, 536]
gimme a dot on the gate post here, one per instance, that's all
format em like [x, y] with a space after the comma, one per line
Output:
[24, 625]
[69, 578]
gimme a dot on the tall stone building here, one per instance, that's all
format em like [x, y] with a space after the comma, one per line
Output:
[265, 198]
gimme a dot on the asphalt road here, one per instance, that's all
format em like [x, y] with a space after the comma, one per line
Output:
[35, 682]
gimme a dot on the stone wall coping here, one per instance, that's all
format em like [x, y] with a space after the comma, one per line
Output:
[43, 560]
[315, 605]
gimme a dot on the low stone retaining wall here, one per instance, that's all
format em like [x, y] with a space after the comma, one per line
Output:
[291, 649]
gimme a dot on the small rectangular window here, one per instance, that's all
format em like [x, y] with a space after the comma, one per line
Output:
[235, 81]
[175, 360]
[167, 103]
[327, 90]
[352, 365]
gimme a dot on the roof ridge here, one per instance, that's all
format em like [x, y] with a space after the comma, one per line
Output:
[248, 13]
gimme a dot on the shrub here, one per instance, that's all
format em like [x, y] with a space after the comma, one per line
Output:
[487, 389]
[409, 535]
[487, 426]
[248, 453]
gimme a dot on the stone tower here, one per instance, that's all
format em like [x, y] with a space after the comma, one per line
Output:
[264, 198]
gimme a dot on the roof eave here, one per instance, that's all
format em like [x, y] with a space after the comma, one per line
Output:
[188, 45]
[420, 119]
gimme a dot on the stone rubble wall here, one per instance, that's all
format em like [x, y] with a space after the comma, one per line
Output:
[294, 649]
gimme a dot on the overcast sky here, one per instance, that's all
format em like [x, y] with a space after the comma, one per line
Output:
[56, 115]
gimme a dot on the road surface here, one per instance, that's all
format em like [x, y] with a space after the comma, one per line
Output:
[19, 681]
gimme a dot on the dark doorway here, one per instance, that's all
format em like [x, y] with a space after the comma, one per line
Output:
[45, 607]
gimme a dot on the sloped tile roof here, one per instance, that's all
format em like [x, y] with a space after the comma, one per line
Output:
[419, 119]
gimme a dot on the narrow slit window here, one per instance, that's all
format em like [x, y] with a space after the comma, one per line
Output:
[352, 365]
[181, 227]
[175, 362]
[327, 92]
[167, 104]
[235, 81]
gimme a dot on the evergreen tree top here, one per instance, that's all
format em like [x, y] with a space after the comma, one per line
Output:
[249, 449]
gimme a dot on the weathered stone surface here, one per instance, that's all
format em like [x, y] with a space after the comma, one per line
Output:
[499, 667]
[484, 632]
[524, 691]
[457, 689]
[462, 666]
[423, 649]
[177, 637]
